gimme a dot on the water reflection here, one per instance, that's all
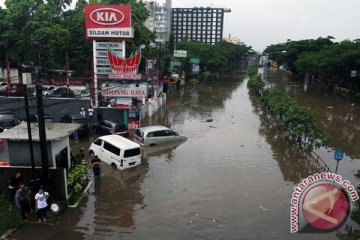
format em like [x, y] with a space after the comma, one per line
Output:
[110, 207]
[337, 115]
[168, 150]
[294, 164]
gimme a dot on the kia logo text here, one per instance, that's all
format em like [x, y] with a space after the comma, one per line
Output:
[107, 16]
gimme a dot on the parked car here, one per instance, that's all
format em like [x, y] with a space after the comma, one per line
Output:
[3, 86]
[7, 120]
[48, 91]
[83, 131]
[62, 92]
[84, 94]
[155, 135]
[34, 118]
[117, 151]
[108, 127]
[16, 89]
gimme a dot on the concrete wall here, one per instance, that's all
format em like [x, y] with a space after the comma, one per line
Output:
[58, 146]
[52, 106]
[19, 153]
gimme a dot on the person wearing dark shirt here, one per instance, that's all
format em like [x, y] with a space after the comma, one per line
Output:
[14, 186]
[22, 200]
[95, 163]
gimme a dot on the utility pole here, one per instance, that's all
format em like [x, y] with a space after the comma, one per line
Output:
[41, 121]
[7, 67]
[26, 98]
[67, 74]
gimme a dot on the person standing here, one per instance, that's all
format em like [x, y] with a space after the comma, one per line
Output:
[41, 204]
[14, 184]
[91, 113]
[95, 163]
[83, 112]
[22, 200]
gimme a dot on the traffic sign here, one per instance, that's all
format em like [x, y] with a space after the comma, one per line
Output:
[339, 155]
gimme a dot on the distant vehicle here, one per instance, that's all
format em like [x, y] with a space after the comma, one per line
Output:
[48, 91]
[48, 119]
[83, 131]
[117, 151]
[7, 120]
[155, 135]
[3, 86]
[16, 89]
[108, 127]
[62, 92]
[84, 94]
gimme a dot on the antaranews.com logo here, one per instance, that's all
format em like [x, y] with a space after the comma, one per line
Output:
[321, 203]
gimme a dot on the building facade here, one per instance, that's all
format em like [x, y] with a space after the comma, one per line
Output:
[159, 20]
[199, 24]
[234, 40]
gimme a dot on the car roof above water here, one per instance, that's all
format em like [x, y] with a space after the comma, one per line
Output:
[120, 141]
[152, 128]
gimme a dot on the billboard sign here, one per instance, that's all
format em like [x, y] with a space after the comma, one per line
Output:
[124, 68]
[195, 65]
[180, 53]
[108, 21]
[124, 90]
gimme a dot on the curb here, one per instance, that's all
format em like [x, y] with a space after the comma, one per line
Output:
[82, 196]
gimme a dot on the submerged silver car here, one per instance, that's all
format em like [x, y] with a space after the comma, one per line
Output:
[155, 135]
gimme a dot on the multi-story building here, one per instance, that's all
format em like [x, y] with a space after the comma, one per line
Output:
[234, 40]
[159, 20]
[200, 24]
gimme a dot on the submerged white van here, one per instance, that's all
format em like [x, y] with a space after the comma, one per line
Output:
[119, 152]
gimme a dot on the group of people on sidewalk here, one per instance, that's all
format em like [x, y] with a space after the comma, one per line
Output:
[20, 195]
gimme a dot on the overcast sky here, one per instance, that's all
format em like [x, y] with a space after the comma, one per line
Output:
[260, 23]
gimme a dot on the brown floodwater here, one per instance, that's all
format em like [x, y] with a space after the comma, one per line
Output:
[232, 178]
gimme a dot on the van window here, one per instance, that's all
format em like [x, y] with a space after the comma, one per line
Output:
[112, 148]
[98, 142]
[131, 152]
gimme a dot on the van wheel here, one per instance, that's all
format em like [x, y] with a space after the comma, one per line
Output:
[113, 165]
[91, 154]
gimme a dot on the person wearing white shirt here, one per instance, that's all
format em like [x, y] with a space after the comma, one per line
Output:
[41, 204]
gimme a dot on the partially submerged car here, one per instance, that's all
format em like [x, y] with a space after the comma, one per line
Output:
[107, 127]
[7, 120]
[155, 135]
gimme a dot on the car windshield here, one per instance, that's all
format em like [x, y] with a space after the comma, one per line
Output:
[139, 133]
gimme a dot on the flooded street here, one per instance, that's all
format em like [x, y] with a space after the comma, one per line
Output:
[232, 179]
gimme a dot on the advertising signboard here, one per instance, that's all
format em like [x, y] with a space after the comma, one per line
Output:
[124, 90]
[180, 53]
[195, 67]
[108, 21]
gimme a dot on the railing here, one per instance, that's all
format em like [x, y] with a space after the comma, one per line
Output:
[318, 159]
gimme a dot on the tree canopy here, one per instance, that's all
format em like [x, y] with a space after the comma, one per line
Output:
[58, 29]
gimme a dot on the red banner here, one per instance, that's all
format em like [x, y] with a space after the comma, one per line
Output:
[108, 21]
[133, 124]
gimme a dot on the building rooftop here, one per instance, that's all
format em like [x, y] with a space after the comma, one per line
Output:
[54, 131]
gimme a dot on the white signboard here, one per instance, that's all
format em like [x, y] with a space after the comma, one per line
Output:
[102, 62]
[104, 53]
[110, 33]
[1, 73]
[353, 73]
[103, 70]
[180, 53]
[124, 101]
[106, 45]
[124, 90]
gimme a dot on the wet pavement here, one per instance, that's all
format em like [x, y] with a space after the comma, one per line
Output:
[232, 178]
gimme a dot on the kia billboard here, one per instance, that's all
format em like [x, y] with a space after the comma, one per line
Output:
[108, 22]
